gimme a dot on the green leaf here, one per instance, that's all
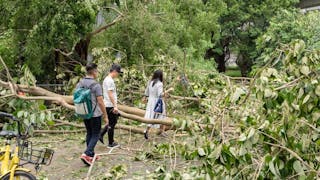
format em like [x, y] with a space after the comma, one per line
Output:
[201, 152]
[42, 117]
[301, 92]
[25, 114]
[317, 91]
[273, 169]
[176, 122]
[33, 118]
[50, 123]
[42, 107]
[242, 137]
[306, 99]
[20, 114]
[242, 150]
[237, 94]
[216, 153]
[251, 133]
[298, 167]
[305, 70]
[268, 93]
[304, 60]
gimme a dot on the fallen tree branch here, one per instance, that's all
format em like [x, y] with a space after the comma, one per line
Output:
[118, 126]
[132, 110]
[58, 131]
[168, 95]
[289, 84]
[67, 101]
[166, 121]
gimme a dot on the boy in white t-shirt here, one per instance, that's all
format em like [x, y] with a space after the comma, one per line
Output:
[110, 100]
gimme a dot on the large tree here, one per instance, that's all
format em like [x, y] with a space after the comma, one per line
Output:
[241, 24]
[48, 35]
[165, 27]
[286, 27]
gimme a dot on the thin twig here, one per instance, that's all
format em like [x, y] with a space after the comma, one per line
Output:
[292, 153]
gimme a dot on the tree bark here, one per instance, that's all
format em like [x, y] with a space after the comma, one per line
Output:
[220, 58]
[82, 48]
[118, 126]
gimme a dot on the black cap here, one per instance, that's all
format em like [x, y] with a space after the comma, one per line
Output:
[116, 67]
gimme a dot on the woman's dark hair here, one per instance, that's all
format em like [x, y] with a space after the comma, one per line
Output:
[157, 76]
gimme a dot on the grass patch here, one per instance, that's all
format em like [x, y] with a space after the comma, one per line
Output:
[233, 71]
[204, 65]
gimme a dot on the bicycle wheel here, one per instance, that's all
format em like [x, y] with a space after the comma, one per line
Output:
[21, 175]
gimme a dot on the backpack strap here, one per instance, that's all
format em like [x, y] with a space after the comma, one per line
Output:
[90, 87]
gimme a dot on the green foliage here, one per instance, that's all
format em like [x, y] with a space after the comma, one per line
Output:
[287, 27]
[167, 27]
[244, 22]
[33, 29]
[273, 135]
[233, 71]
[117, 172]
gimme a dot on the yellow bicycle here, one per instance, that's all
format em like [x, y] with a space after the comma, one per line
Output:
[11, 167]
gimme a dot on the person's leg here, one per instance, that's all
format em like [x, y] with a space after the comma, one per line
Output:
[85, 156]
[162, 131]
[95, 123]
[89, 132]
[146, 132]
[113, 118]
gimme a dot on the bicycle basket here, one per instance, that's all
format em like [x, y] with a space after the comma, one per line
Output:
[35, 156]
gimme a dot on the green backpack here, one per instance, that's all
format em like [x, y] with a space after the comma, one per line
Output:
[83, 103]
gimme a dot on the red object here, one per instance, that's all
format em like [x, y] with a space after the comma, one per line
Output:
[98, 158]
[20, 93]
[86, 159]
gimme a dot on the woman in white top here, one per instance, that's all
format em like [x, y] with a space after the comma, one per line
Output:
[153, 92]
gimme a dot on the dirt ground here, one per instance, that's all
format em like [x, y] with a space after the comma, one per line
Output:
[66, 164]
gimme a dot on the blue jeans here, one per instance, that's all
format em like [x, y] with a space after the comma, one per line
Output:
[93, 127]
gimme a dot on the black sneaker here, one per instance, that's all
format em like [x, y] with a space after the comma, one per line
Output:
[146, 136]
[113, 145]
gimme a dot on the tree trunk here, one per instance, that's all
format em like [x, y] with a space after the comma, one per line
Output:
[82, 48]
[219, 59]
[244, 62]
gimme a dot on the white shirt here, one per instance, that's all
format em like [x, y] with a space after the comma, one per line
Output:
[109, 85]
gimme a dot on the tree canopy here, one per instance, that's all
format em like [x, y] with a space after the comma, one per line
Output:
[47, 33]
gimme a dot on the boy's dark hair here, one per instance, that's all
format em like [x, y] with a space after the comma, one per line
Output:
[91, 67]
[116, 67]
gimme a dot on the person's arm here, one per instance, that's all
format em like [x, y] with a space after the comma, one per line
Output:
[98, 93]
[103, 109]
[160, 90]
[113, 101]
